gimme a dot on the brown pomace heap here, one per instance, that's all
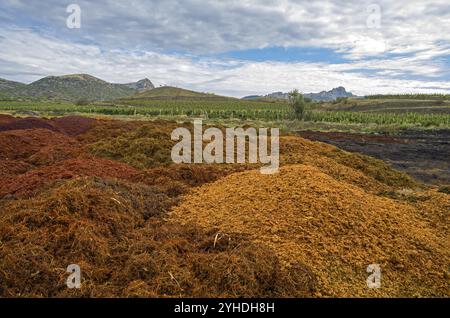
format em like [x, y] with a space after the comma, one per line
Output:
[372, 174]
[114, 231]
[27, 184]
[178, 179]
[333, 227]
[69, 125]
[28, 123]
[22, 144]
[97, 193]
[74, 125]
[6, 119]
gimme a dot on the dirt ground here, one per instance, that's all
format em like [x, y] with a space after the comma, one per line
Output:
[424, 155]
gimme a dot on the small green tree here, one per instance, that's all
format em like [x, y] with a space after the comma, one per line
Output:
[82, 102]
[341, 100]
[298, 103]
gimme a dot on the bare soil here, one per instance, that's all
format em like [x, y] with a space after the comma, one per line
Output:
[422, 154]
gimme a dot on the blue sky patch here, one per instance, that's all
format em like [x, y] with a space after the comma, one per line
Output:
[287, 54]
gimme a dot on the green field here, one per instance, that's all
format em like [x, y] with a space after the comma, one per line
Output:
[358, 114]
[411, 96]
[390, 105]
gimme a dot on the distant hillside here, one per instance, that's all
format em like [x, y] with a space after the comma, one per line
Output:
[10, 85]
[9, 89]
[73, 87]
[322, 96]
[252, 97]
[175, 93]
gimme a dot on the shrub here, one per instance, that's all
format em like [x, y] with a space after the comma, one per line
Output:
[343, 100]
[82, 102]
[298, 103]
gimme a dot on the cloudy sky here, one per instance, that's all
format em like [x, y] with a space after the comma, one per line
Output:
[233, 47]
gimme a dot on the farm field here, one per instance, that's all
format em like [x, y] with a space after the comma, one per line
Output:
[366, 116]
[103, 193]
[387, 104]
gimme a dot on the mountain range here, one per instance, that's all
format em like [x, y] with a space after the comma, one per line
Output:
[322, 96]
[77, 87]
[72, 88]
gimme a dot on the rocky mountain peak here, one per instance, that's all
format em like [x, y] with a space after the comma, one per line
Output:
[142, 85]
[330, 95]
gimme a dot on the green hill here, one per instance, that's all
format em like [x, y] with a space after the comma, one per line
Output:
[10, 85]
[72, 88]
[175, 93]
[10, 89]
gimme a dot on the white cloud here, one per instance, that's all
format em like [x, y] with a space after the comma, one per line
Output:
[205, 26]
[123, 41]
[40, 56]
